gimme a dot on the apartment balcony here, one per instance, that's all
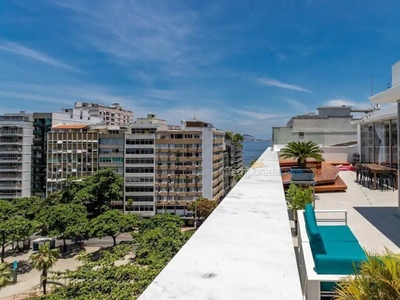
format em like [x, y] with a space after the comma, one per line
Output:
[11, 142]
[11, 133]
[10, 169]
[244, 250]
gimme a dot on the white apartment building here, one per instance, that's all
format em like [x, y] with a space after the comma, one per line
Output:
[15, 155]
[111, 115]
[140, 140]
[189, 165]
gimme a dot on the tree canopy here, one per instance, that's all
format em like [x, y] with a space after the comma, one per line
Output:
[113, 223]
[204, 207]
[66, 220]
[95, 192]
[100, 277]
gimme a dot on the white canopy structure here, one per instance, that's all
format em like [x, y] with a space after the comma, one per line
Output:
[392, 95]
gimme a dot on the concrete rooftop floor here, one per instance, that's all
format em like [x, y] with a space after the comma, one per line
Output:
[372, 215]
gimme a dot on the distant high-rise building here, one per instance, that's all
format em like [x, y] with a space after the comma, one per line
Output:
[164, 167]
[189, 165]
[111, 115]
[15, 155]
[140, 140]
[43, 123]
[72, 152]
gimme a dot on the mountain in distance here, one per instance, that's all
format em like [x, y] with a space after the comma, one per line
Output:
[250, 138]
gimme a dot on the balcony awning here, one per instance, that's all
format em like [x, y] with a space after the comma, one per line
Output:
[391, 95]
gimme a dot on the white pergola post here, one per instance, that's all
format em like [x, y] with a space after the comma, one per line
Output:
[398, 158]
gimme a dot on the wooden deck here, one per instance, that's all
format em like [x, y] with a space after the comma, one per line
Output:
[338, 186]
[326, 177]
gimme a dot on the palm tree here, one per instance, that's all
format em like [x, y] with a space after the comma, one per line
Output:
[238, 139]
[301, 151]
[43, 260]
[6, 274]
[378, 278]
[229, 135]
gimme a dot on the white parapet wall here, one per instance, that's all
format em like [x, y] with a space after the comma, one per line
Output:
[244, 250]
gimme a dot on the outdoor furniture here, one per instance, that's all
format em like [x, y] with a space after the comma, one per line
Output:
[376, 169]
[328, 251]
[367, 176]
[386, 178]
[359, 175]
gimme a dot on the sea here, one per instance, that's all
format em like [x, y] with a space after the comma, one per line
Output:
[253, 150]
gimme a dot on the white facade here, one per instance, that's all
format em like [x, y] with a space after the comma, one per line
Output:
[323, 130]
[15, 155]
[139, 169]
[111, 115]
[75, 116]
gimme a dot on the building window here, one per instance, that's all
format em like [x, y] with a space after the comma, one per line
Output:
[301, 134]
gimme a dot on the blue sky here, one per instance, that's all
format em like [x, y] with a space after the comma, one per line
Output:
[243, 65]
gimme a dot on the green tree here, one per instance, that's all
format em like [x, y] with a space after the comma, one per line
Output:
[229, 135]
[204, 207]
[301, 151]
[130, 205]
[238, 139]
[378, 278]
[65, 220]
[21, 229]
[6, 210]
[52, 199]
[160, 220]
[158, 245]
[43, 260]
[113, 223]
[95, 192]
[6, 274]
[27, 207]
[100, 278]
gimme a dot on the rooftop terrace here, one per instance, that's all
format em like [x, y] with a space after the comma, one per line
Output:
[244, 250]
[372, 214]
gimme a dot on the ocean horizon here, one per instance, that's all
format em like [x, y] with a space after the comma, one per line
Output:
[253, 150]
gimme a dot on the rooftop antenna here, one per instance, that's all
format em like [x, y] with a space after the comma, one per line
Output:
[194, 113]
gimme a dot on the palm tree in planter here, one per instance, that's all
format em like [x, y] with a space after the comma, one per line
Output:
[377, 278]
[43, 260]
[6, 274]
[297, 198]
[301, 151]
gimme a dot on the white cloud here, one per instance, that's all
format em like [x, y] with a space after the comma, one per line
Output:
[277, 83]
[62, 94]
[142, 32]
[340, 102]
[35, 55]
[257, 115]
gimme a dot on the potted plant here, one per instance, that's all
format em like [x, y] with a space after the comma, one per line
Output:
[377, 278]
[297, 198]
